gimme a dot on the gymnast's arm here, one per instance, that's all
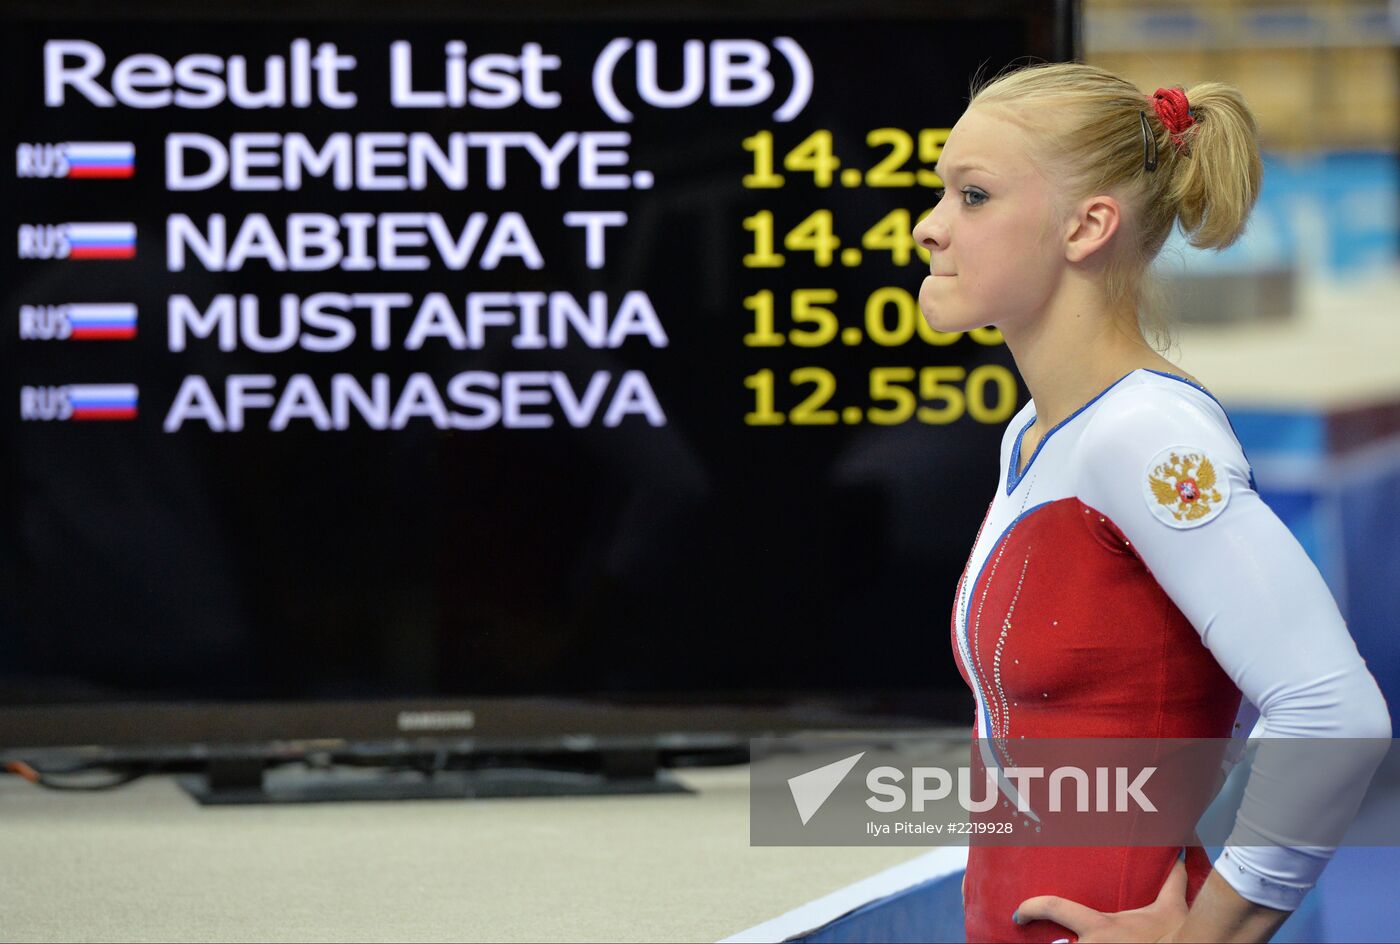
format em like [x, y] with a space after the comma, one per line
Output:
[1264, 612]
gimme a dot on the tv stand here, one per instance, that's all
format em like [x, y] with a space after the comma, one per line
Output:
[230, 782]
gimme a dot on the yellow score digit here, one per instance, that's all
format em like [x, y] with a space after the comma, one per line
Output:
[884, 387]
[942, 384]
[938, 383]
[890, 172]
[895, 233]
[892, 318]
[762, 335]
[806, 309]
[814, 155]
[877, 324]
[762, 178]
[809, 412]
[815, 234]
[945, 395]
[907, 320]
[763, 256]
[977, 393]
[886, 173]
[763, 413]
[931, 141]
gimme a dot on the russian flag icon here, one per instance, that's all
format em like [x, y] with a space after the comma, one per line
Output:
[100, 159]
[102, 322]
[102, 401]
[101, 240]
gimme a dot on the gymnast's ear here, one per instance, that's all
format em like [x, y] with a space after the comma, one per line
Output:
[1091, 226]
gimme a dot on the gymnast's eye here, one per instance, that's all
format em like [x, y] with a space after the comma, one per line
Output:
[970, 192]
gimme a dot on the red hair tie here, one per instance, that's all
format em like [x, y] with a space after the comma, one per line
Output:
[1175, 111]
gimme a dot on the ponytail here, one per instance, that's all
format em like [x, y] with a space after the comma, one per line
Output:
[1216, 178]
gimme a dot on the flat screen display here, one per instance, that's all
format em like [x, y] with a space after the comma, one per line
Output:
[424, 355]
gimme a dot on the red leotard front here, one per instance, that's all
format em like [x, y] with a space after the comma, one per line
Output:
[1092, 647]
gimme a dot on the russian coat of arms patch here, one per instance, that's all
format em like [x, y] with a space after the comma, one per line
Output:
[1182, 487]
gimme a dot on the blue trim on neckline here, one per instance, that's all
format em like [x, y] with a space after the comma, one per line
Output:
[1189, 383]
[1231, 424]
[1012, 477]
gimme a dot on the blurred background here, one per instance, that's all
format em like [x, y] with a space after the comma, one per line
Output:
[1297, 326]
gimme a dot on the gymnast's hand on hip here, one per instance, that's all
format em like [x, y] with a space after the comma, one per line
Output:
[1157, 922]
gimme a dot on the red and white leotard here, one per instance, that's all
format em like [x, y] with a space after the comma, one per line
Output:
[1128, 582]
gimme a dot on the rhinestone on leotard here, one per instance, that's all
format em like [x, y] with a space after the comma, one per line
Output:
[1001, 643]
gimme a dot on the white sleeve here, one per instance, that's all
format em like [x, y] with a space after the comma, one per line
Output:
[1170, 474]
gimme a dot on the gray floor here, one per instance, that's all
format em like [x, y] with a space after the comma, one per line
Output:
[1338, 351]
[146, 863]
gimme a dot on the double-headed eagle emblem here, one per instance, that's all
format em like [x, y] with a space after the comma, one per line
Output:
[1185, 485]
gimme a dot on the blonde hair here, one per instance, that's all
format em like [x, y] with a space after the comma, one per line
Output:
[1084, 122]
